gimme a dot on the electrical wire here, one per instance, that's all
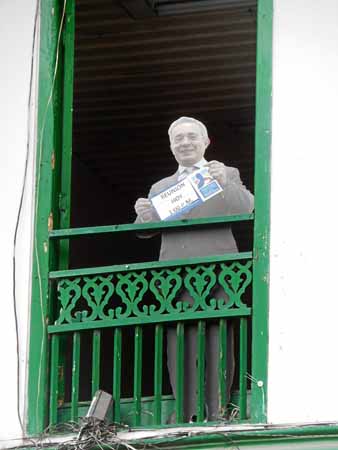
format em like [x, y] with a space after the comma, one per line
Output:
[91, 433]
[23, 190]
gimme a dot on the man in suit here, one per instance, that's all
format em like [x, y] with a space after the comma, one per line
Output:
[188, 142]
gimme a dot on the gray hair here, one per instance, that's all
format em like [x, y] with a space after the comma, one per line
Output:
[184, 119]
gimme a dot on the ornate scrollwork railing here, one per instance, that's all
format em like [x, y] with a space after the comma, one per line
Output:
[124, 299]
[151, 295]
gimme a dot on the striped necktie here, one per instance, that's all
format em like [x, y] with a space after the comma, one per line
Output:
[186, 172]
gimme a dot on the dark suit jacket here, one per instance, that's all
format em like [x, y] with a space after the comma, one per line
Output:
[176, 244]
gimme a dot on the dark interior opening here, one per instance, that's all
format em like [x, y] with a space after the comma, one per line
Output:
[138, 66]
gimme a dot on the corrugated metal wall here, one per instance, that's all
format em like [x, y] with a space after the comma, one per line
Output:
[134, 75]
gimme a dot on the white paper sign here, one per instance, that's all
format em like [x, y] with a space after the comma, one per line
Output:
[175, 200]
[186, 194]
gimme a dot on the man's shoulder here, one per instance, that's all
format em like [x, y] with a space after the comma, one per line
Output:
[232, 169]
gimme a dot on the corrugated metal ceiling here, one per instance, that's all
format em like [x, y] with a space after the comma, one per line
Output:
[163, 7]
[133, 76]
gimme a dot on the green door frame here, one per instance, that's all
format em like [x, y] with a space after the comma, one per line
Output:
[52, 201]
[262, 212]
[52, 187]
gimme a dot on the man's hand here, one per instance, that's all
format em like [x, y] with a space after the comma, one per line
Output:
[218, 171]
[143, 208]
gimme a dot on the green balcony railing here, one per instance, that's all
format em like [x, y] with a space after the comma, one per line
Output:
[110, 323]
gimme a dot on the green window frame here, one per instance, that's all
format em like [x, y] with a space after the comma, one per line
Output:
[54, 141]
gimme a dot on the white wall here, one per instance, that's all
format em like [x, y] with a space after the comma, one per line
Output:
[16, 36]
[303, 362]
[303, 366]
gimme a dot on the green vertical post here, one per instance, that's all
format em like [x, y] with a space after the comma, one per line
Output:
[67, 129]
[200, 370]
[117, 374]
[64, 156]
[48, 169]
[137, 375]
[74, 412]
[158, 374]
[62, 351]
[54, 381]
[96, 361]
[260, 287]
[222, 365]
[243, 367]
[179, 371]
[48, 143]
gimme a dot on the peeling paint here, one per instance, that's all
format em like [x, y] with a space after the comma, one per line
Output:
[50, 222]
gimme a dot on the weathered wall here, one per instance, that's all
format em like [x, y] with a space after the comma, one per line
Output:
[303, 367]
[16, 37]
[303, 307]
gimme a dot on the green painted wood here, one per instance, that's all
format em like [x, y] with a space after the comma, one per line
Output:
[67, 130]
[148, 265]
[138, 347]
[63, 347]
[127, 411]
[96, 342]
[75, 376]
[262, 215]
[222, 365]
[54, 379]
[200, 370]
[126, 408]
[243, 368]
[45, 214]
[158, 374]
[87, 231]
[48, 133]
[76, 326]
[62, 161]
[122, 296]
[179, 372]
[117, 373]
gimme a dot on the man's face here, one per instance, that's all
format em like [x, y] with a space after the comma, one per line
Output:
[187, 144]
